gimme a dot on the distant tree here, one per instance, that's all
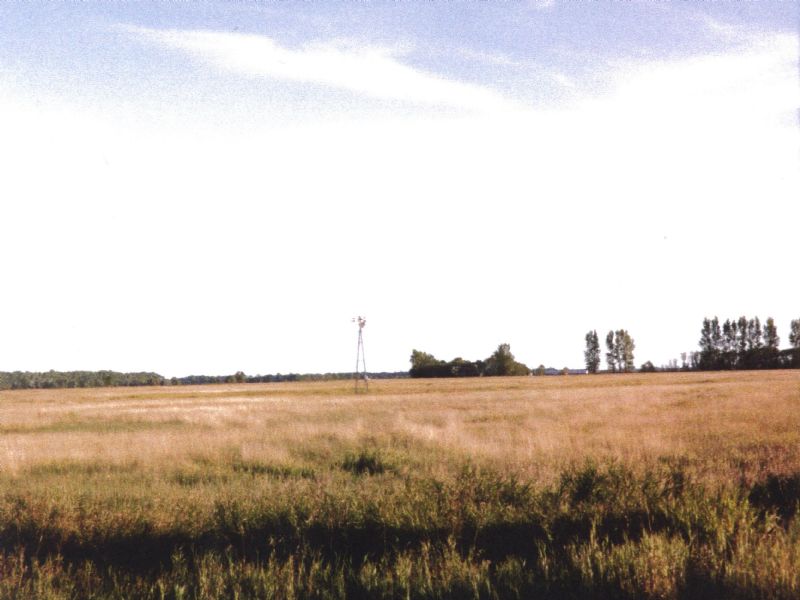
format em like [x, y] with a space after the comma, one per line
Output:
[743, 344]
[793, 358]
[771, 339]
[463, 368]
[426, 365]
[770, 354]
[728, 353]
[540, 370]
[742, 336]
[706, 341]
[627, 346]
[611, 355]
[794, 334]
[672, 365]
[754, 334]
[502, 363]
[711, 344]
[592, 353]
[752, 357]
[648, 367]
[76, 379]
[422, 359]
[716, 335]
[620, 351]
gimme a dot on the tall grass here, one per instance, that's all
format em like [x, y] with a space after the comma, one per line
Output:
[602, 530]
[318, 494]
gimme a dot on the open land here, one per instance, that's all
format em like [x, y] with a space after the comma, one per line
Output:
[670, 485]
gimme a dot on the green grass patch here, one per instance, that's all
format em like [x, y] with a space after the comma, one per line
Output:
[257, 468]
[76, 425]
[81, 469]
[371, 529]
[366, 461]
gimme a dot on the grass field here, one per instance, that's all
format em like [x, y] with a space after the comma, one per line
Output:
[629, 486]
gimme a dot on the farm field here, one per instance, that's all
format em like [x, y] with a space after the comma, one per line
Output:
[681, 485]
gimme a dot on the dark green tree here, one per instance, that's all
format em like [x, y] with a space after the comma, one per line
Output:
[422, 359]
[626, 348]
[592, 353]
[716, 335]
[742, 336]
[502, 362]
[794, 334]
[426, 365]
[771, 339]
[620, 346]
[754, 334]
[611, 355]
[706, 341]
[794, 342]
[770, 354]
[463, 368]
[711, 344]
[728, 354]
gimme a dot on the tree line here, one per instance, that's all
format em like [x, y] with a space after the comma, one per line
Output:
[240, 377]
[733, 344]
[23, 380]
[501, 362]
[745, 344]
[27, 380]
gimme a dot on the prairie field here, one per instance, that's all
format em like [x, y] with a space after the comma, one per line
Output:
[670, 485]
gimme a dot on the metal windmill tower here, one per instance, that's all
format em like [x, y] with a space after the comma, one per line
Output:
[361, 363]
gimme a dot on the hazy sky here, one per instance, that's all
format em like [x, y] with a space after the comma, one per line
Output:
[220, 186]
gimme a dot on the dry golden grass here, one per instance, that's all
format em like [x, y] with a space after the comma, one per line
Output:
[734, 424]
[640, 486]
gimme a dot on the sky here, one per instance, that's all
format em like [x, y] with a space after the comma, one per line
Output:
[203, 188]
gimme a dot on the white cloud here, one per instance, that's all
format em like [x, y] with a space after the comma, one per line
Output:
[719, 28]
[542, 4]
[489, 58]
[367, 70]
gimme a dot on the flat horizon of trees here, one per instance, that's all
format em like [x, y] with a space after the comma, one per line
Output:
[22, 380]
[501, 362]
[28, 380]
[240, 377]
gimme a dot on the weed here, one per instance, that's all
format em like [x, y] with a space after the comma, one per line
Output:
[366, 461]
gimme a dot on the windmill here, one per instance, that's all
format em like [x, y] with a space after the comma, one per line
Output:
[361, 364]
